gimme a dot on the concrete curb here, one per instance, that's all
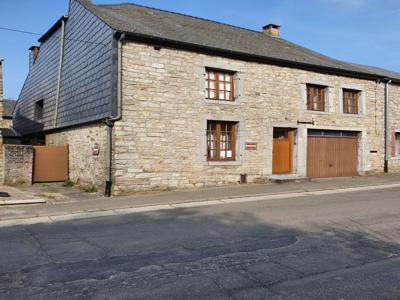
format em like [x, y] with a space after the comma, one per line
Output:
[21, 202]
[132, 210]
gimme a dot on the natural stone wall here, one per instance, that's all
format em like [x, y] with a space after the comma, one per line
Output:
[160, 141]
[1, 91]
[7, 123]
[394, 125]
[18, 162]
[84, 167]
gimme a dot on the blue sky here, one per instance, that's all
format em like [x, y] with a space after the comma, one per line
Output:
[361, 31]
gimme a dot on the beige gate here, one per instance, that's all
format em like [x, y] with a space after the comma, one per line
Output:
[50, 163]
[332, 156]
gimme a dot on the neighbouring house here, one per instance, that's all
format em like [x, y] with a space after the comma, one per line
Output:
[148, 99]
[8, 109]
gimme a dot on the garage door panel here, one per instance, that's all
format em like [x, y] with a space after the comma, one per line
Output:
[332, 156]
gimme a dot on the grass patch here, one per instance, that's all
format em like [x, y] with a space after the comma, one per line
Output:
[88, 188]
[68, 183]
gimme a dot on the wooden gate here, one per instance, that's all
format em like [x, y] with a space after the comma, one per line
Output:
[332, 156]
[50, 163]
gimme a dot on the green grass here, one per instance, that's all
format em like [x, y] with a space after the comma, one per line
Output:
[88, 189]
[68, 183]
[45, 196]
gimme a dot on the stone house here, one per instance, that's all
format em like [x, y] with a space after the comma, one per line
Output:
[149, 100]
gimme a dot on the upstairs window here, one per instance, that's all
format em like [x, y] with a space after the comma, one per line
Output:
[220, 85]
[350, 101]
[316, 97]
[38, 112]
[221, 141]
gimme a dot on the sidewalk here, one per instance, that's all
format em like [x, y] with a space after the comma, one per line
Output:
[190, 198]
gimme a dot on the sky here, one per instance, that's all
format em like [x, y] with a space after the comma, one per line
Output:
[360, 31]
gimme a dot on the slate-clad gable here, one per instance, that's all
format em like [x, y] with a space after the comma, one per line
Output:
[86, 85]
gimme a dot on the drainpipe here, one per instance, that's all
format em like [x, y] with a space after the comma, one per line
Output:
[387, 123]
[110, 121]
[60, 65]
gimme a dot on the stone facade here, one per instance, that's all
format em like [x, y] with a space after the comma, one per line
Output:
[160, 143]
[18, 162]
[84, 167]
[394, 125]
[1, 124]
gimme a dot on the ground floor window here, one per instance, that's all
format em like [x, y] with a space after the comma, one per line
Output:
[221, 140]
[398, 143]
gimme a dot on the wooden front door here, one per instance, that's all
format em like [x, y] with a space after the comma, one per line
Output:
[50, 163]
[282, 151]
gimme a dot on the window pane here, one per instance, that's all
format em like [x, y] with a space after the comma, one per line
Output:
[221, 86]
[211, 75]
[221, 95]
[398, 143]
[212, 94]
[212, 85]
[221, 77]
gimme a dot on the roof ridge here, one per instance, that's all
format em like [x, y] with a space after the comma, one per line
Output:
[180, 14]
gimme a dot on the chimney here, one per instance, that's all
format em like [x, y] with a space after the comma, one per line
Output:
[272, 30]
[34, 51]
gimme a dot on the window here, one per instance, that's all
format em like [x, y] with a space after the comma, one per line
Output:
[221, 140]
[316, 97]
[350, 101]
[219, 85]
[398, 143]
[332, 133]
[38, 113]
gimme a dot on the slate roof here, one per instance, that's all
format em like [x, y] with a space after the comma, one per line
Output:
[380, 71]
[8, 108]
[164, 25]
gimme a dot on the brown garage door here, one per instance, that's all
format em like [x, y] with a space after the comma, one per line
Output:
[50, 163]
[332, 154]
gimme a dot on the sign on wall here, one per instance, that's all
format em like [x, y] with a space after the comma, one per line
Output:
[251, 146]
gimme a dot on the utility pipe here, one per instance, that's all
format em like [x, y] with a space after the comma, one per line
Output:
[110, 121]
[60, 66]
[387, 123]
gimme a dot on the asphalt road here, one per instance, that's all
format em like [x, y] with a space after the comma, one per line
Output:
[343, 246]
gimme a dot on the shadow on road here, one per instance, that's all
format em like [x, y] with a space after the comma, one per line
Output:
[188, 253]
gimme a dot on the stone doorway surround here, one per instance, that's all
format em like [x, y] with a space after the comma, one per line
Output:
[300, 147]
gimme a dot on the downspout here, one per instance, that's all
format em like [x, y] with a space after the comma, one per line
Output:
[387, 123]
[110, 121]
[60, 65]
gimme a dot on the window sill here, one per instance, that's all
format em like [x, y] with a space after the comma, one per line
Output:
[359, 116]
[316, 112]
[224, 163]
[222, 102]
[396, 157]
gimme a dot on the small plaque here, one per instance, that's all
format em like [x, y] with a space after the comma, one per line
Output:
[96, 150]
[251, 146]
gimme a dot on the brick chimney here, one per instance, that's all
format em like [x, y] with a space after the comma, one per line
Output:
[34, 51]
[272, 30]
